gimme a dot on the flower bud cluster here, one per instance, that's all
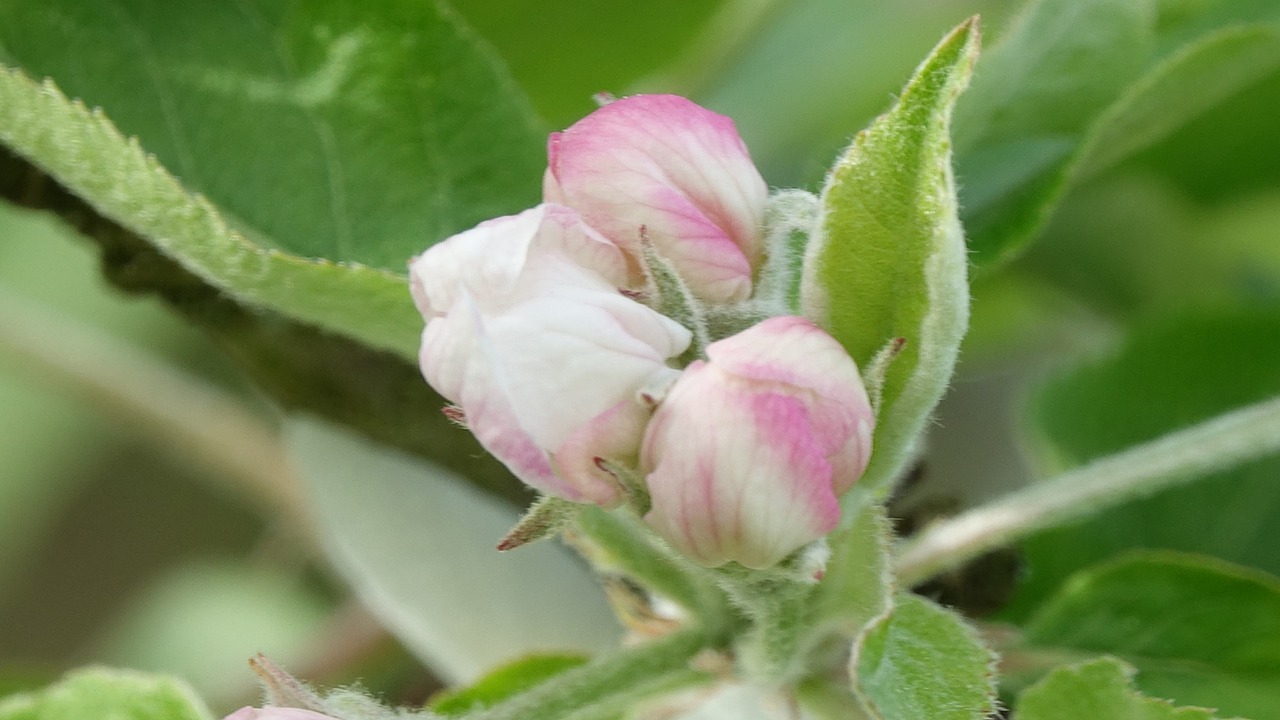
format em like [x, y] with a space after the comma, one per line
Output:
[574, 340]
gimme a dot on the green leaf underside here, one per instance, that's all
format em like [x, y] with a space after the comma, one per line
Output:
[924, 662]
[1076, 87]
[888, 260]
[1199, 631]
[85, 152]
[1166, 376]
[1099, 690]
[350, 132]
[104, 694]
[504, 682]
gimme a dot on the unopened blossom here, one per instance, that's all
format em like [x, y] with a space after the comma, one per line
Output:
[678, 173]
[276, 713]
[528, 333]
[748, 453]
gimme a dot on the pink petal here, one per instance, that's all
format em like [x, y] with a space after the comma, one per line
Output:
[679, 171]
[741, 478]
[614, 435]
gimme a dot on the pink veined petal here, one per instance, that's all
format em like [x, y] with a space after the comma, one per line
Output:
[614, 434]
[484, 393]
[740, 480]
[792, 350]
[680, 171]
[491, 258]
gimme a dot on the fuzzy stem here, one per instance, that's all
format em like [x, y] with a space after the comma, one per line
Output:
[1225, 441]
[611, 684]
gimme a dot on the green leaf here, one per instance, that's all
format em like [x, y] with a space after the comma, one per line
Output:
[593, 48]
[1073, 89]
[1099, 690]
[1199, 630]
[419, 547]
[923, 661]
[1165, 377]
[888, 259]
[1183, 86]
[85, 152]
[1033, 98]
[107, 695]
[351, 132]
[504, 682]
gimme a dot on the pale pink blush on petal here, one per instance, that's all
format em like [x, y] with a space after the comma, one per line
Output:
[753, 494]
[485, 396]
[614, 434]
[680, 171]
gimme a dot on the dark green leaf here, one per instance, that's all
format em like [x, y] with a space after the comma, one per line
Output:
[564, 51]
[888, 259]
[1198, 630]
[351, 132]
[87, 154]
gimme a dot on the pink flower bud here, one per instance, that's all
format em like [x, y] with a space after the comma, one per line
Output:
[746, 456]
[679, 171]
[528, 333]
[275, 713]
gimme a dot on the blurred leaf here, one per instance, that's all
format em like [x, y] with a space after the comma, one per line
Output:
[503, 683]
[888, 259]
[1034, 95]
[564, 51]
[86, 153]
[1075, 88]
[1219, 155]
[1132, 246]
[1189, 82]
[108, 695]
[1100, 690]
[47, 436]
[1165, 377]
[202, 622]
[924, 662]
[419, 548]
[1199, 630]
[811, 71]
[322, 128]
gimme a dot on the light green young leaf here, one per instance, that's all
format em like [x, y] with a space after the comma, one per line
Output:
[1199, 630]
[101, 693]
[86, 153]
[888, 257]
[923, 661]
[1100, 689]
[354, 132]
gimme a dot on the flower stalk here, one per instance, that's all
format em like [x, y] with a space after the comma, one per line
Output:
[1227, 440]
